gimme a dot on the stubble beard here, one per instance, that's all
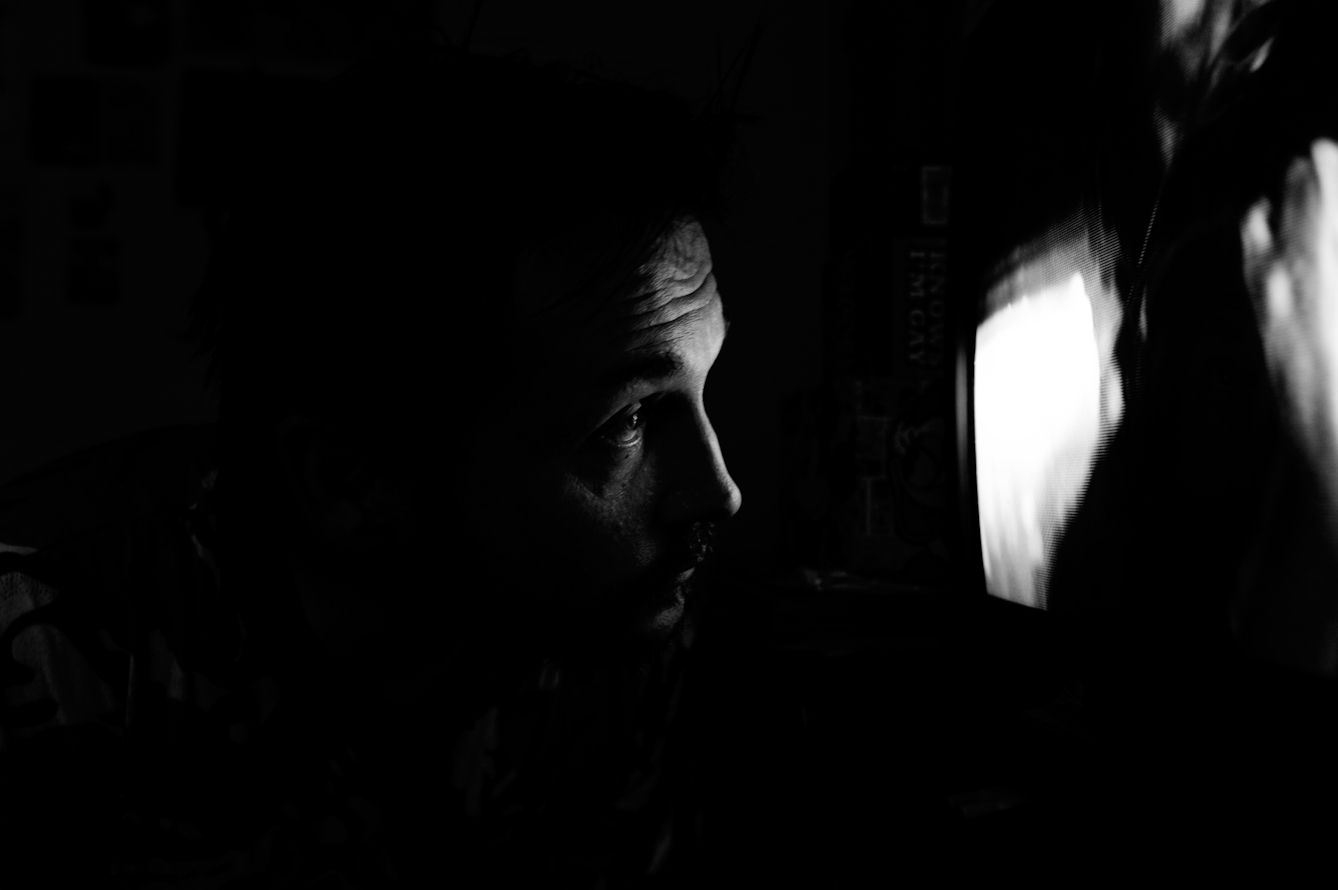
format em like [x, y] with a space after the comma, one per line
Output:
[630, 641]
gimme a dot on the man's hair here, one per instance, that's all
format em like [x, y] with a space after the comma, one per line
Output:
[366, 271]
[365, 275]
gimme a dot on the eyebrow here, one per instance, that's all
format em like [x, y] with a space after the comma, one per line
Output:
[646, 368]
[643, 368]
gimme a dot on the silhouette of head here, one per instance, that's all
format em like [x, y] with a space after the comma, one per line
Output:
[471, 313]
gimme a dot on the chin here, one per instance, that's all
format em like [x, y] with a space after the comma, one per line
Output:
[663, 610]
[666, 621]
[627, 639]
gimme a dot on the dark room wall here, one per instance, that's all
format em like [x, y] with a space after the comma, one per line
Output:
[97, 255]
[770, 266]
[115, 148]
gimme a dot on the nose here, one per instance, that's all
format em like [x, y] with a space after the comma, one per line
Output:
[700, 487]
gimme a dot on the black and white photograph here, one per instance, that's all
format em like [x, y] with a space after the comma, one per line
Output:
[668, 444]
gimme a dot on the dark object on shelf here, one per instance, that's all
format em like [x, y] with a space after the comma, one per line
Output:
[82, 121]
[64, 120]
[88, 210]
[127, 33]
[224, 116]
[95, 272]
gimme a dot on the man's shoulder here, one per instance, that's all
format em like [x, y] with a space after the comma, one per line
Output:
[101, 562]
[119, 480]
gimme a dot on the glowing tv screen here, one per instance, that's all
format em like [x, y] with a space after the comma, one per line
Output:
[1047, 397]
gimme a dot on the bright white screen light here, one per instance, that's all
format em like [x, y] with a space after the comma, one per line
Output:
[1037, 424]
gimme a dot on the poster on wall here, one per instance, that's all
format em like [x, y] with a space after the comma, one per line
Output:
[891, 498]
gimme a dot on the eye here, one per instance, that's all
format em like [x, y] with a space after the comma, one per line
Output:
[626, 428]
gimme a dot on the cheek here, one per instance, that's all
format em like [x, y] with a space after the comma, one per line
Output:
[587, 523]
[606, 522]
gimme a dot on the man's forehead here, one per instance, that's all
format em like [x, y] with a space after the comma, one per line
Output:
[681, 264]
[583, 268]
[680, 294]
[676, 327]
[677, 282]
[580, 354]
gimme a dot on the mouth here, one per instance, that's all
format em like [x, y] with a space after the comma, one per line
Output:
[672, 593]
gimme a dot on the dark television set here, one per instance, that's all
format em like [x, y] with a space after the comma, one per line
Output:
[1135, 497]
[1128, 453]
[1134, 509]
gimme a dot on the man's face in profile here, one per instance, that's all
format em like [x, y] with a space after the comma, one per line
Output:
[597, 474]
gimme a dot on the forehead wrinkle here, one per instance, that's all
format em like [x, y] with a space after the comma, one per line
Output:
[660, 325]
[648, 340]
[664, 305]
[681, 264]
[683, 256]
[667, 334]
